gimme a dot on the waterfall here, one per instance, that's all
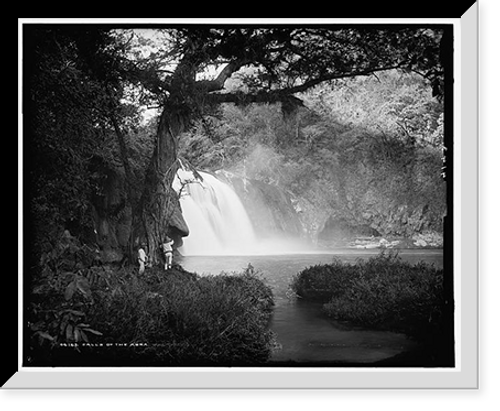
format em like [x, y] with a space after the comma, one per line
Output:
[217, 220]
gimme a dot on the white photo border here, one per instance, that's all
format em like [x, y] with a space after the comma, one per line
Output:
[465, 374]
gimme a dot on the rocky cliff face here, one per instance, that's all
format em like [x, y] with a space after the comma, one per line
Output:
[403, 226]
[273, 210]
[112, 215]
[339, 232]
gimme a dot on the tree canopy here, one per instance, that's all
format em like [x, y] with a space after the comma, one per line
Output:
[286, 60]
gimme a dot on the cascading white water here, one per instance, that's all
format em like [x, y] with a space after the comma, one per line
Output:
[218, 223]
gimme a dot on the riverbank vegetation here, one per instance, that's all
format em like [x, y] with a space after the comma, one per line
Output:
[97, 315]
[382, 293]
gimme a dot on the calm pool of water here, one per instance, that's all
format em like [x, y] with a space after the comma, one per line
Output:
[304, 334]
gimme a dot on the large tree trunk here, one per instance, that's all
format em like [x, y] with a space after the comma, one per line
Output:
[159, 213]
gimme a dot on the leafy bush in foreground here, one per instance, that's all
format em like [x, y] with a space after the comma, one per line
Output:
[160, 319]
[381, 293]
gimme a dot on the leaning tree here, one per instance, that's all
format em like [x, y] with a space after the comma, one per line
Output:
[189, 72]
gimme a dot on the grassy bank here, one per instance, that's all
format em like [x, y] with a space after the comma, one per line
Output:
[105, 316]
[381, 293]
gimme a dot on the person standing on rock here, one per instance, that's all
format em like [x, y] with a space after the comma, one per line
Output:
[141, 259]
[166, 247]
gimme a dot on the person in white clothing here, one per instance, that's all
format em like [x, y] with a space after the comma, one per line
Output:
[141, 259]
[166, 247]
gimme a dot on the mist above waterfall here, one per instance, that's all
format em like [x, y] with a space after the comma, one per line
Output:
[218, 222]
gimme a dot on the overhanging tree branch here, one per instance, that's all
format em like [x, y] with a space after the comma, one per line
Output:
[336, 76]
[217, 84]
[285, 94]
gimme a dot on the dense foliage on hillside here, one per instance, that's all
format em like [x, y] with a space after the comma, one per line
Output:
[367, 150]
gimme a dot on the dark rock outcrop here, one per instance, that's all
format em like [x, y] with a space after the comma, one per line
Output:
[112, 215]
[338, 232]
[178, 227]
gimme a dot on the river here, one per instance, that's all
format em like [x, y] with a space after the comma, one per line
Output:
[305, 336]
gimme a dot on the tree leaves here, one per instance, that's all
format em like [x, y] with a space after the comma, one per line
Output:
[45, 335]
[69, 332]
[90, 330]
[78, 333]
[80, 284]
[70, 290]
[69, 328]
[83, 286]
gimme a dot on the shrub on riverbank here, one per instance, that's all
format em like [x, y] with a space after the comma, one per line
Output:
[159, 319]
[380, 293]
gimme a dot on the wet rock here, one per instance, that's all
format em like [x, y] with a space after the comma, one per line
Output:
[428, 239]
